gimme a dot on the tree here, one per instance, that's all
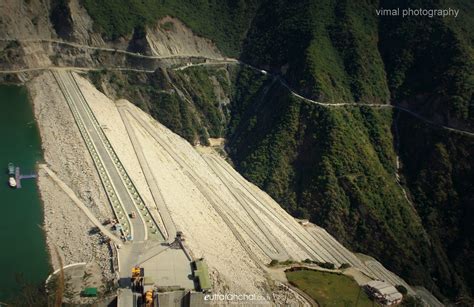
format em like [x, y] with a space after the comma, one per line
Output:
[412, 301]
[402, 289]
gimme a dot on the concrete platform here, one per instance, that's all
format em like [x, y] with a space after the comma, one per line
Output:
[168, 267]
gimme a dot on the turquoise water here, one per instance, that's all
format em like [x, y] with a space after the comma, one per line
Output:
[23, 252]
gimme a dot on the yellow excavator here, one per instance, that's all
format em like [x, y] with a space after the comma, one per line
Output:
[136, 272]
[149, 298]
[137, 279]
[142, 285]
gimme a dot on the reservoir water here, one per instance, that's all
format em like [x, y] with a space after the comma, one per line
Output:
[23, 251]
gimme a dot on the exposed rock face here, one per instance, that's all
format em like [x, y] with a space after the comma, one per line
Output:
[35, 55]
[170, 37]
[19, 20]
[82, 26]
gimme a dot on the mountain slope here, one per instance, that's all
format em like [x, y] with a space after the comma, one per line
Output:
[337, 166]
[222, 21]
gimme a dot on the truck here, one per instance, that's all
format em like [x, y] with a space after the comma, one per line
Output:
[145, 286]
[138, 274]
[149, 291]
[149, 298]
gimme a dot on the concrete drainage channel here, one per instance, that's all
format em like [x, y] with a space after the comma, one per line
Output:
[169, 228]
[118, 207]
[119, 211]
[152, 227]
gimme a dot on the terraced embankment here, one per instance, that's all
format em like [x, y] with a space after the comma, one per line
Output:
[234, 225]
[258, 217]
[119, 188]
[169, 228]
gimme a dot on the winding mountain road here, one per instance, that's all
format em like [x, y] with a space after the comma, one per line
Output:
[212, 61]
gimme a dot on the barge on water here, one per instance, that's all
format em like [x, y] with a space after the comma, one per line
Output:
[11, 175]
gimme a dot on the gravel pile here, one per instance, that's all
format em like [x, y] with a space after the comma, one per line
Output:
[68, 230]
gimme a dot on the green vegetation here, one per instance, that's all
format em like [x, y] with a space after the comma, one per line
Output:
[275, 262]
[11, 52]
[401, 289]
[412, 301]
[184, 101]
[335, 166]
[430, 56]
[204, 97]
[167, 26]
[326, 265]
[439, 174]
[224, 22]
[61, 18]
[329, 289]
[331, 51]
[327, 48]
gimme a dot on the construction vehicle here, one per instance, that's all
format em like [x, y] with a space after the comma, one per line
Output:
[11, 175]
[149, 291]
[149, 298]
[136, 272]
[137, 279]
[145, 286]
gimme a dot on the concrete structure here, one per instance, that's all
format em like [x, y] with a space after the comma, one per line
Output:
[19, 177]
[181, 298]
[169, 227]
[170, 267]
[247, 216]
[201, 274]
[383, 292]
[164, 265]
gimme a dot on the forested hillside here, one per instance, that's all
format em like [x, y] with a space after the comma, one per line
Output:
[429, 63]
[224, 22]
[336, 166]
